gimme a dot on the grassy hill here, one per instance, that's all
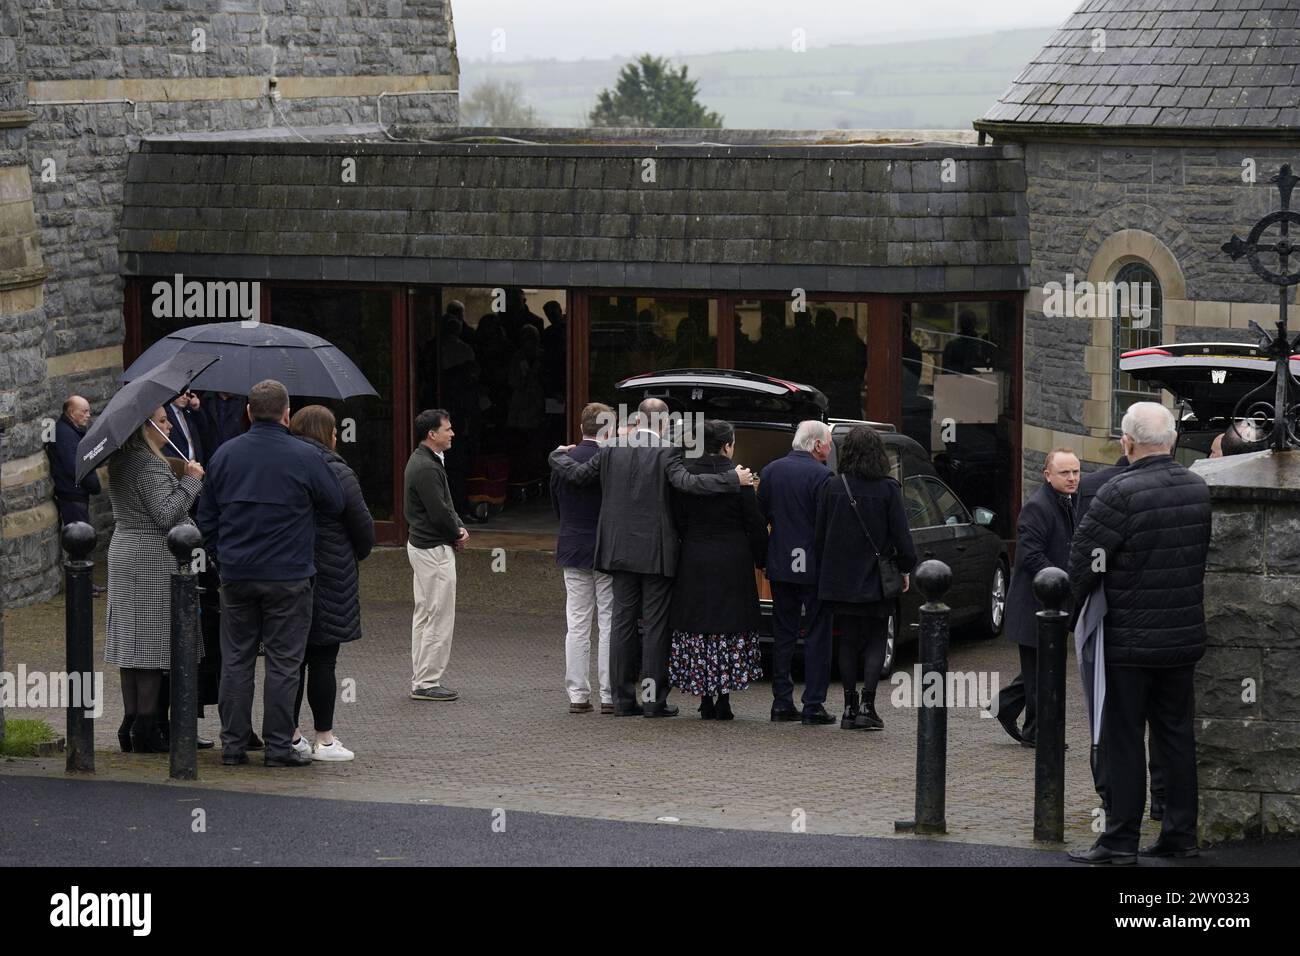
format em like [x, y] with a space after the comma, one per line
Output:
[922, 84]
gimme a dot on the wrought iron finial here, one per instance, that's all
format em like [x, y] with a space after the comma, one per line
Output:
[1285, 183]
[1284, 409]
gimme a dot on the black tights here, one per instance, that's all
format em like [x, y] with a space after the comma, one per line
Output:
[318, 675]
[863, 644]
[141, 691]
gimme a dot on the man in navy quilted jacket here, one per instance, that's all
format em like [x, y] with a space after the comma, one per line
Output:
[257, 513]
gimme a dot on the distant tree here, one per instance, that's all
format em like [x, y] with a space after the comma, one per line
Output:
[498, 103]
[649, 92]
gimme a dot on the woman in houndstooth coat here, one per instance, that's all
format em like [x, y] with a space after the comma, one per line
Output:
[148, 501]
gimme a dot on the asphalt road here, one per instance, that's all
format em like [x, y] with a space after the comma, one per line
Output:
[68, 822]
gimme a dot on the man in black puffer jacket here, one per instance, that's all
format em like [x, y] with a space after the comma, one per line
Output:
[1145, 539]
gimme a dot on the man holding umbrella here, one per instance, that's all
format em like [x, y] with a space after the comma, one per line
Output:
[257, 515]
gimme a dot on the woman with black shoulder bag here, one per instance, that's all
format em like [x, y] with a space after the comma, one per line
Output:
[865, 555]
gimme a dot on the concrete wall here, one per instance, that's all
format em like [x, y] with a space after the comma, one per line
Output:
[331, 59]
[1093, 207]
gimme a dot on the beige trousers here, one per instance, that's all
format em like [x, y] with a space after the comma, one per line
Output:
[435, 612]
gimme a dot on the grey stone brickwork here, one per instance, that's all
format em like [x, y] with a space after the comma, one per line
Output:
[1247, 700]
[45, 41]
[1192, 198]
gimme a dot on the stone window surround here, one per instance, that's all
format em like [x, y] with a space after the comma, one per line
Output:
[1120, 248]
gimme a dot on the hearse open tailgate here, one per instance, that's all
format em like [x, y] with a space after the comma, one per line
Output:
[1210, 376]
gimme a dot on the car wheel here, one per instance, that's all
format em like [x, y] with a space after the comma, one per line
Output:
[891, 644]
[995, 601]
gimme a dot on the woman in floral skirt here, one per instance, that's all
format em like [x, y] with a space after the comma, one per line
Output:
[714, 616]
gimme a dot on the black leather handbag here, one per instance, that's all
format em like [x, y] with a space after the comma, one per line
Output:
[891, 579]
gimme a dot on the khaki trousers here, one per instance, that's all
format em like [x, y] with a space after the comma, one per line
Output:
[435, 612]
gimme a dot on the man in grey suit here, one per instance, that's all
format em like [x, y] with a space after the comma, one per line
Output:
[636, 543]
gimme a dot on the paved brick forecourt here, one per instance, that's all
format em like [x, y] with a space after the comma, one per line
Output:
[510, 742]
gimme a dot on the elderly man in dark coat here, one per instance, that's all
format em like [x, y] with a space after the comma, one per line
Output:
[70, 496]
[1089, 485]
[1043, 534]
[788, 493]
[636, 542]
[1145, 541]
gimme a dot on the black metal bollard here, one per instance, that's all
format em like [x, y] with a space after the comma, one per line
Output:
[79, 622]
[1052, 588]
[933, 578]
[183, 541]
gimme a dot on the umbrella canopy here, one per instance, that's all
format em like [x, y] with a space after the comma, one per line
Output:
[132, 406]
[305, 364]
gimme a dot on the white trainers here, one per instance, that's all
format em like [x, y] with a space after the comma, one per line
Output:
[301, 747]
[332, 751]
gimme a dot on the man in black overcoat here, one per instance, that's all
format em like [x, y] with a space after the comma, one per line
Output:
[1043, 534]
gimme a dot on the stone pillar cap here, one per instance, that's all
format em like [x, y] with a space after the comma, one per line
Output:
[1259, 475]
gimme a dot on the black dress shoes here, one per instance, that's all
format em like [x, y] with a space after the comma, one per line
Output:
[659, 710]
[1160, 848]
[233, 760]
[1100, 854]
[291, 759]
[206, 744]
[1008, 722]
[816, 714]
[785, 713]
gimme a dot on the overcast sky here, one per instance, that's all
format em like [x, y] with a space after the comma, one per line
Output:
[596, 29]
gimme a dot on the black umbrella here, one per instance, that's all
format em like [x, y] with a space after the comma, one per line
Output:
[305, 364]
[132, 406]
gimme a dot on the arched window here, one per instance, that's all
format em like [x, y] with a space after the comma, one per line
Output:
[1133, 328]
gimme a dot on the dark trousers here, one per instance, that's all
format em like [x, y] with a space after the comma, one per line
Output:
[864, 642]
[1153, 763]
[1022, 694]
[278, 613]
[317, 677]
[71, 509]
[210, 627]
[1160, 697]
[789, 600]
[639, 597]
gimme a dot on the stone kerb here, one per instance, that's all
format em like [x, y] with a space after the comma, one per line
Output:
[1247, 694]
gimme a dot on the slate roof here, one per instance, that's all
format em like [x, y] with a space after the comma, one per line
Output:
[832, 218]
[1167, 65]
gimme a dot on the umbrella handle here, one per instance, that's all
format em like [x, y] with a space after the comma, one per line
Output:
[169, 441]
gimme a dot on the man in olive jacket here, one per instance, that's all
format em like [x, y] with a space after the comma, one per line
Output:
[637, 543]
[1145, 540]
[436, 533]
